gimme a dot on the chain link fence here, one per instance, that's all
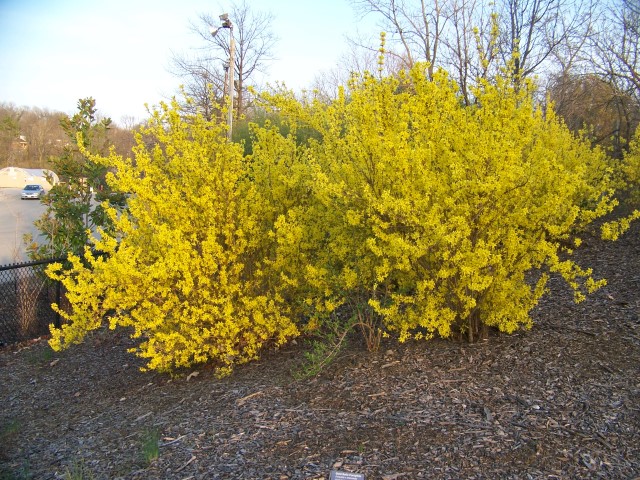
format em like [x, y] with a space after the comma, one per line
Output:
[26, 295]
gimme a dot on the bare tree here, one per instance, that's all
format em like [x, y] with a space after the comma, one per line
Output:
[9, 132]
[474, 39]
[44, 135]
[416, 26]
[204, 70]
[356, 61]
[470, 44]
[616, 47]
[29, 136]
[598, 87]
[590, 104]
[203, 82]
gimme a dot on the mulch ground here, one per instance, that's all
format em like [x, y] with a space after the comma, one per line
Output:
[560, 401]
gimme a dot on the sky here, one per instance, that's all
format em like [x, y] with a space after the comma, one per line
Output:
[54, 52]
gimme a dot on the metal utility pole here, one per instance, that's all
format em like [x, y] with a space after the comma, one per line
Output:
[226, 23]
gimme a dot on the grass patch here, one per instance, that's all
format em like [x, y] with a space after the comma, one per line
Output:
[150, 445]
[78, 471]
[7, 432]
[11, 428]
[38, 355]
[22, 473]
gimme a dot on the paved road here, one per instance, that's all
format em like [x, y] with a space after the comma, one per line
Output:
[16, 219]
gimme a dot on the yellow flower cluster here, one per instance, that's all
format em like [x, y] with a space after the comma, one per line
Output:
[628, 181]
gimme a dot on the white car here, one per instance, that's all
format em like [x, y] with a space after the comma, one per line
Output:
[32, 191]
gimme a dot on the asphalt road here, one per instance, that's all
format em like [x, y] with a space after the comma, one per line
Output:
[16, 219]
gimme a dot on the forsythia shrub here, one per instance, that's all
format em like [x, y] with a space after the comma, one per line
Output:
[184, 268]
[440, 218]
[629, 174]
[631, 167]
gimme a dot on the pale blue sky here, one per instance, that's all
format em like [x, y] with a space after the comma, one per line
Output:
[53, 52]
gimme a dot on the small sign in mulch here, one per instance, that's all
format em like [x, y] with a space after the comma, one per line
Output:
[336, 475]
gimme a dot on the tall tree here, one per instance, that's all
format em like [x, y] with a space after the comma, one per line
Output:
[204, 71]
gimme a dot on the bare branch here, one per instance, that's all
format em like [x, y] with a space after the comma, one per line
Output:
[204, 71]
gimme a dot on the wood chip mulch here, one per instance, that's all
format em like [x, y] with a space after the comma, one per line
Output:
[561, 401]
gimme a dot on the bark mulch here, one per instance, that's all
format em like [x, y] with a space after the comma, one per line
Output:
[560, 401]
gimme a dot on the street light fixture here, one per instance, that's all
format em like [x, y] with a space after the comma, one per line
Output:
[226, 23]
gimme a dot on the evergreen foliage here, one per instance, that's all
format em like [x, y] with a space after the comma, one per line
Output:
[74, 206]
